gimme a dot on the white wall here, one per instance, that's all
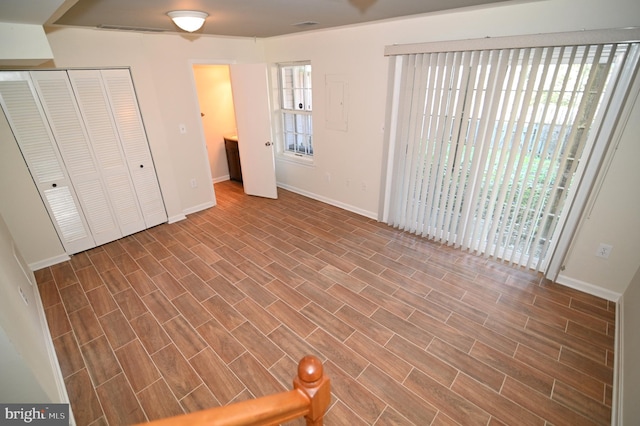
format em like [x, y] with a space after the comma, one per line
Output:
[346, 169]
[25, 341]
[19, 384]
[631, 353]
[613, 218]
[33, 48]
[357, 154]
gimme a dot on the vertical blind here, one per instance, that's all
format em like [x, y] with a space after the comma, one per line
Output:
[488, 143]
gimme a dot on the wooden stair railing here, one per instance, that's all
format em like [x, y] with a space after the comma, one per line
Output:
[310, 398]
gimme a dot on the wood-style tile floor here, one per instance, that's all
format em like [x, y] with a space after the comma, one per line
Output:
[221, 306]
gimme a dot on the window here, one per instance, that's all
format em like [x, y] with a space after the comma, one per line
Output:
[296, 108]
[488, 143]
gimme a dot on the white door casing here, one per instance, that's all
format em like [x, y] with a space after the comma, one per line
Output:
[249, 84]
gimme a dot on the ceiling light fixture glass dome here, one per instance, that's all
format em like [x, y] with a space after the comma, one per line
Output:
[188, 20]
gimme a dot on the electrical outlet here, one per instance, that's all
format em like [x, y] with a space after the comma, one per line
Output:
[604, 251]
[183, 128]
[194, 183]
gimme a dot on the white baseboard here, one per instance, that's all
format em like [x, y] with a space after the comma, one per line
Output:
[348, 207]
[220, 179]
[618, 378]
[64, 257]
[176, 218]
[588, 288]
[63, 396]
[198, 208]
[49, 262]
[618, 368]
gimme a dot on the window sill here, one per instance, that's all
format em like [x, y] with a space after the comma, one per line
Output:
[294, 159]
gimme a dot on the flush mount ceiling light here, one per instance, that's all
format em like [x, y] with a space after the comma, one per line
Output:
[188, 20]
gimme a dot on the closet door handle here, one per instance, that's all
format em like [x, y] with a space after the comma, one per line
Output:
[141, 166]
[54, 185]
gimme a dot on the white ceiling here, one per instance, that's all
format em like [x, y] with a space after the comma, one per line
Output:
[248, 18]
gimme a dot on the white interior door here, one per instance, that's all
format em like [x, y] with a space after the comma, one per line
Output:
[96, 112]
[253, 121]
[63, 115]
[124, 103]
[33, 134]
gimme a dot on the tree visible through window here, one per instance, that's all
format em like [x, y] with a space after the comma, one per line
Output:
[296, 107]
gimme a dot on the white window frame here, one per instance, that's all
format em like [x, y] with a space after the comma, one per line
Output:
[306, 111]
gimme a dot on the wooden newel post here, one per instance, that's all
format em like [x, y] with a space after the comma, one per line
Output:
[312, 381]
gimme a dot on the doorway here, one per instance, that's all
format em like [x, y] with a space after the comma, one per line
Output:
[215, 98]
[238, 97]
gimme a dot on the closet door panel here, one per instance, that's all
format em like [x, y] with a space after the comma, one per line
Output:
[69, 222]
[61, 110]
[98, 120]
[122, 98]
[36, 142]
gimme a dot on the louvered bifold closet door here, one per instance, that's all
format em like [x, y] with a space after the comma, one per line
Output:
[122, 97]
[101, 128]
[60, 107]
[32, 132]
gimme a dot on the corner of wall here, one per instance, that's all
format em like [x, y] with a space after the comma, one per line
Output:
[588, 288]
[48, 262]
[33, 49]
